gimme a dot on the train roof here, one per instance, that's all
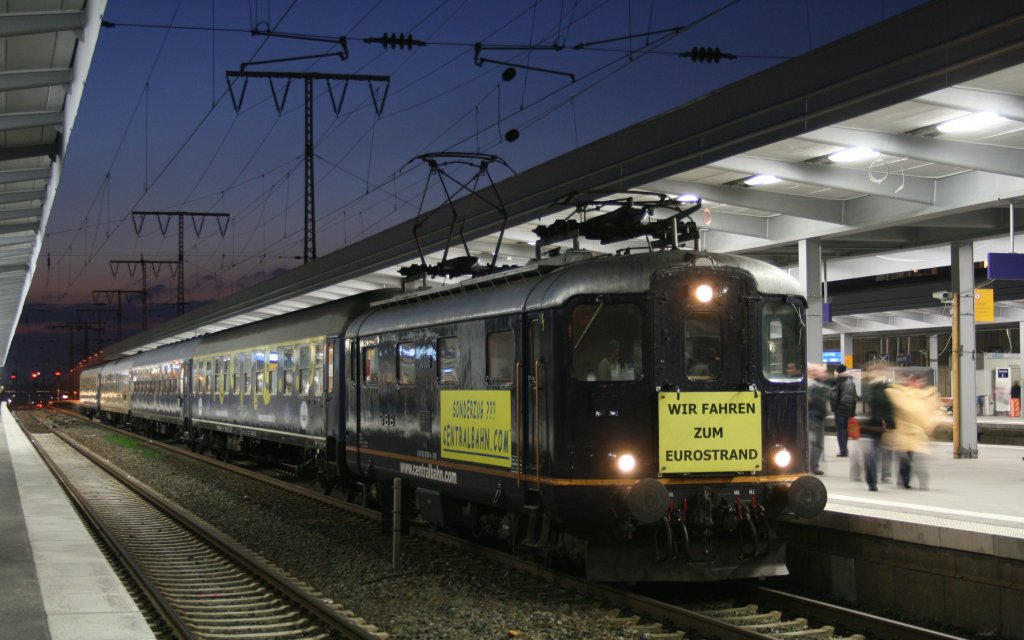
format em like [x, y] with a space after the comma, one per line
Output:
[178, 351]
[322, 320]
[550, 283]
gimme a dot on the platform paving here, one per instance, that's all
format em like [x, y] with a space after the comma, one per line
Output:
[56, 584]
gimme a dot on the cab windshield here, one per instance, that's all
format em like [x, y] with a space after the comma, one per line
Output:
[606, 341]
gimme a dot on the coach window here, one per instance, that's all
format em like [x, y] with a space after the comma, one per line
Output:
[448, 360]
[304, 378]
[236, 373]
[247, 373]
[316, 386]
[273, 360]
[260, 360]
[210, 382]
[330, 366]
[781, 343]
[406, 365]
[371, 367]
[288, 370]
[501, 357]
[702, 337]
[606, 341]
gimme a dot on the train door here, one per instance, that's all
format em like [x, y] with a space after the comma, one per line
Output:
[704, 343]
[331, 400]
[185, 392]
[533, 408]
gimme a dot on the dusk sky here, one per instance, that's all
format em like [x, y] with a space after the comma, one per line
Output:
[158, 130]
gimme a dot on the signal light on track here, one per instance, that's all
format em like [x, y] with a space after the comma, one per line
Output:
[707, 54]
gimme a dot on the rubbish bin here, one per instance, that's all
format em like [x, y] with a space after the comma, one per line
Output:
[985, 406]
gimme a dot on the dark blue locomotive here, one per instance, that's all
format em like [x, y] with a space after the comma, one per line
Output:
[634, 410]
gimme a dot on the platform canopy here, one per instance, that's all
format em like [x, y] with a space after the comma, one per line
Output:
[46, 48]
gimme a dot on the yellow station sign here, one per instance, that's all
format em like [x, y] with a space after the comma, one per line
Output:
[709, 432]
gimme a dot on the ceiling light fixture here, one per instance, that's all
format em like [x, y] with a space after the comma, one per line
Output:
[760, 180]
[971, 122]
[688, 197]
[853, 154]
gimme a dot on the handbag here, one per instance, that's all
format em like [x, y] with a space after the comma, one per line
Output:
[853, 429]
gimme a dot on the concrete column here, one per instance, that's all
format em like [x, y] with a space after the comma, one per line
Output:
[962, 285]
[846, 346]
[1020, 351]
[810, 280]
[933, 359]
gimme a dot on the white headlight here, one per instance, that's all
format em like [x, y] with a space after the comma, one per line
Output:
[704, 293]
[782, 458]
[626, 463]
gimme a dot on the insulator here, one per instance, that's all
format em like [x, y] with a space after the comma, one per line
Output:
[398, 41]
[707, 54]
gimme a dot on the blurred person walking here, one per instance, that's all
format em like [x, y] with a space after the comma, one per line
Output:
[874, 385]
[844, 405]
[818, 394]
[915, 409]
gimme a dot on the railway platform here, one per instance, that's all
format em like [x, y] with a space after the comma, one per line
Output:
[951, 551]
[56, 583]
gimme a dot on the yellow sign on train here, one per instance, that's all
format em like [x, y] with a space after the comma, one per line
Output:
[709, 432]
[476, 426]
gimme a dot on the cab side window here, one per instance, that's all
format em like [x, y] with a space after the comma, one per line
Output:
[371, 366]
[448, 360]
[501, 357]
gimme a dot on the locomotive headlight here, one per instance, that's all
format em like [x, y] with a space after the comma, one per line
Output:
[626, 462]
[781, 457]
[704, 293]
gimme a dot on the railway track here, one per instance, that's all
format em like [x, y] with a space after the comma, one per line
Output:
[747, 612]
[202, 585]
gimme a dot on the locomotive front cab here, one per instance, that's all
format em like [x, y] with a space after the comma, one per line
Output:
[703, 428]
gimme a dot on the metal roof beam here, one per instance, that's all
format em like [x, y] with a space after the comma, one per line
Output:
[33, 78]
[23, 24]
[9, 197]
[984, 157]
[973, 100]
[10, 230]
[23, 175]
[12, 121]
[919, 190]
[19, 215]
[30, 151]
[798, 206]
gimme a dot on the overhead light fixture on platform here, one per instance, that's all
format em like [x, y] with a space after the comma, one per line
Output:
[853, 154]
[971, 122]
[760, 180]
[688, 197]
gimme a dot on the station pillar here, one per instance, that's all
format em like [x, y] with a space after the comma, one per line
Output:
[964, 355]
[810, 279]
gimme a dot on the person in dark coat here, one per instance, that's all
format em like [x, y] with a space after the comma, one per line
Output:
[817, 407]
[874, 384]
[844, 405]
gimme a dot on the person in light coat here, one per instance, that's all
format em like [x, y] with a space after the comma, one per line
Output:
[915, 408]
